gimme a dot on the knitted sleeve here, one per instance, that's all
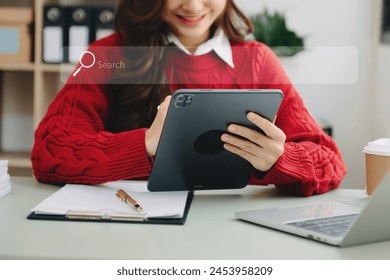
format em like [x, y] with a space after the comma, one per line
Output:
[72, 145]
[311, 162]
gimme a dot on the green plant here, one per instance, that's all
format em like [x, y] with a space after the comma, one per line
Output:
[272, 30]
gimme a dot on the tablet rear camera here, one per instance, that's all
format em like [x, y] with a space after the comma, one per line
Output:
[184, 100]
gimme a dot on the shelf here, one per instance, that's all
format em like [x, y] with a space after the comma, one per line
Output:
[17, 159]
[17, 67]
[57, 68]
[27, 89]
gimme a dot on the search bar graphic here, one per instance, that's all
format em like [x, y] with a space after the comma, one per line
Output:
[85, 65]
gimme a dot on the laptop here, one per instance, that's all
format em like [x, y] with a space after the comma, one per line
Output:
[333, 222]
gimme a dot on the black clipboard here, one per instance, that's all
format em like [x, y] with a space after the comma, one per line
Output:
[168, 221]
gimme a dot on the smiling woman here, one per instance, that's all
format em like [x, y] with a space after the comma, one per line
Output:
[94, 133]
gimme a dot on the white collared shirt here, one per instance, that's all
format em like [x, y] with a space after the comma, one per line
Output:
[219, 44]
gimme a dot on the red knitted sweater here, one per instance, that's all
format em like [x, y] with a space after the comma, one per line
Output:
[72, 144]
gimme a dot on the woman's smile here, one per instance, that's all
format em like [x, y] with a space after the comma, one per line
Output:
[190, 20]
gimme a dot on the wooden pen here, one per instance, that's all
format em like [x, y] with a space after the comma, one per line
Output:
[122, 195]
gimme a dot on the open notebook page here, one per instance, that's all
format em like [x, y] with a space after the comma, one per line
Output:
[101, 199]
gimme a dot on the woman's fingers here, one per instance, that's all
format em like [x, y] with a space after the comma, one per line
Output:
[262, 151]
[270, 129]
[153, 134]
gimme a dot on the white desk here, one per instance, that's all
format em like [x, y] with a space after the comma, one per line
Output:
[211, 231]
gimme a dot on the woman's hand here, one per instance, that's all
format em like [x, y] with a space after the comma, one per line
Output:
[262, 151]
[153, 134]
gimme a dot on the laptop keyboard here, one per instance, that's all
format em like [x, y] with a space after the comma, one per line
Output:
[332, 226]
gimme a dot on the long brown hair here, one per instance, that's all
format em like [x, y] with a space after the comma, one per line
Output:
[140, 24]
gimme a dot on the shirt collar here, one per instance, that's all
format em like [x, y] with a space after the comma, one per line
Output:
[219, 44]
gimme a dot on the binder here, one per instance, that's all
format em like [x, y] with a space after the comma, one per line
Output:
[104, 18]
[99, 204]
[78, 30]
[53, 34]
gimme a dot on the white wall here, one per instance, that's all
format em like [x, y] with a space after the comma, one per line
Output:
[348, 107]
[382, 100]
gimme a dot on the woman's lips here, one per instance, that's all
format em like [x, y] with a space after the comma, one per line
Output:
[191, 20]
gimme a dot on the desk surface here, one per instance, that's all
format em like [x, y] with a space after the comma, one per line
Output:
[211, 231]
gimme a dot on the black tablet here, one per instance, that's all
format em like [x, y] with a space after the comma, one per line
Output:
[190, 154]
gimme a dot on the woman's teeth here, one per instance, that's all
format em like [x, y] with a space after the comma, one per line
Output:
[191, 18]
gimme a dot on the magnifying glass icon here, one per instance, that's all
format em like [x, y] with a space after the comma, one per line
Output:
[84, 65]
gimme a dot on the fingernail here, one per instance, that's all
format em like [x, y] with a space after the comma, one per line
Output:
[251, 116]
[232, 128]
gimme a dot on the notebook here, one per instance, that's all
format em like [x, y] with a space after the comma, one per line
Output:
[335, 223]
[100, 203]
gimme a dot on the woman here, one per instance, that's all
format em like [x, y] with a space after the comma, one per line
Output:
[108, 130]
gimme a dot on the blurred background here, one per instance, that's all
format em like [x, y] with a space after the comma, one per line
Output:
[348, 94]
